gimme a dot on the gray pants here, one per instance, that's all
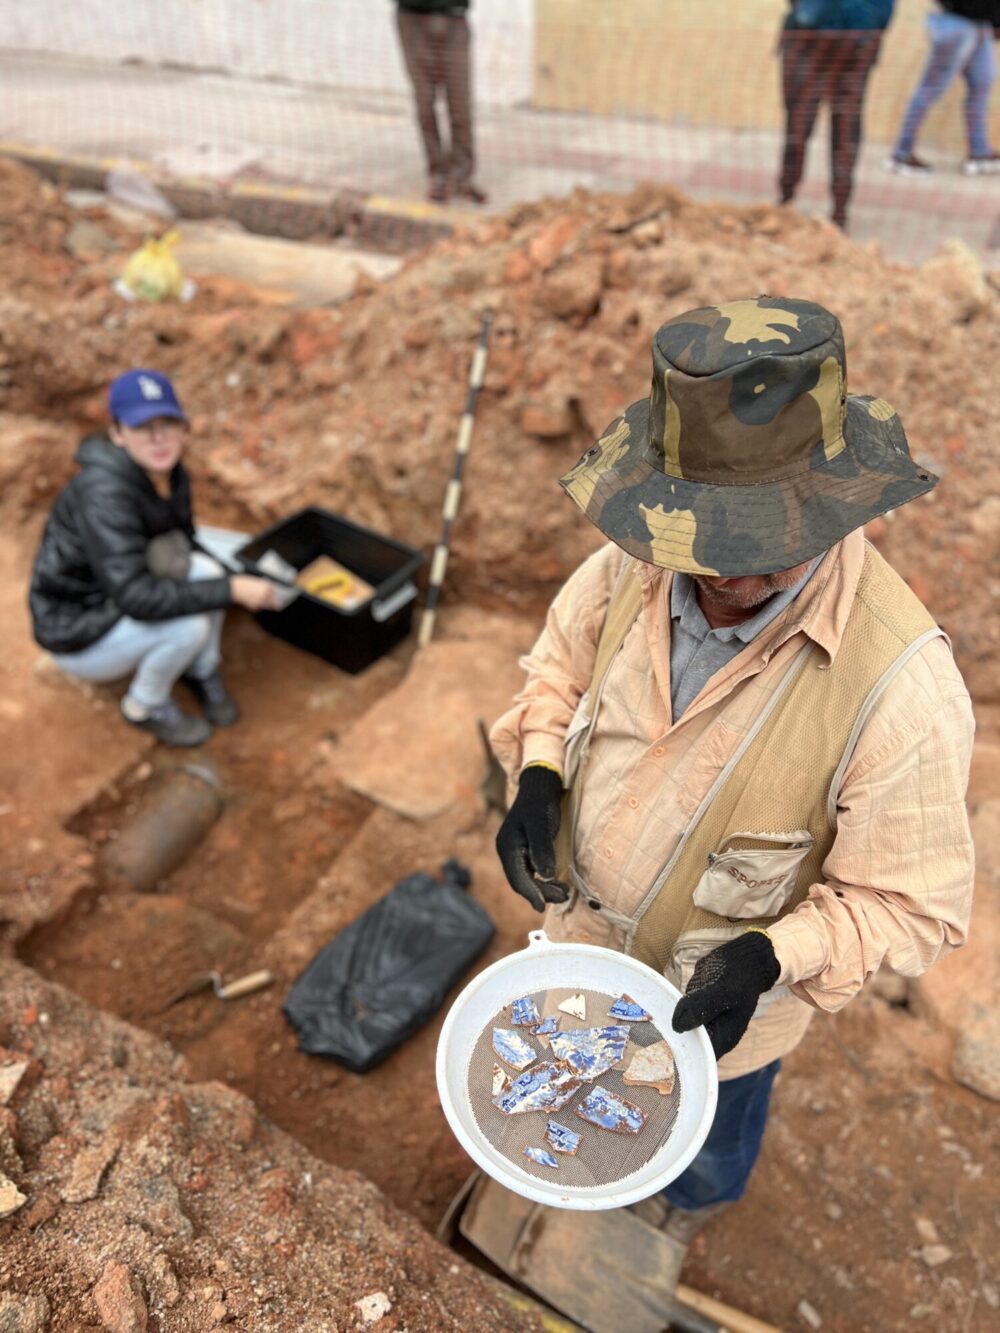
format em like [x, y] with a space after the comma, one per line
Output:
[158, 651]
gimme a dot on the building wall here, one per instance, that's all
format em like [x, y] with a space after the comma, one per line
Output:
[712, 62]
[345, 43]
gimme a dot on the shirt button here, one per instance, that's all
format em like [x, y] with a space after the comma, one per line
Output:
[609, 852]
[658, 751]
[633, 803]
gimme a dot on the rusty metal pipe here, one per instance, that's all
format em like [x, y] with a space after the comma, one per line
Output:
[186, 803]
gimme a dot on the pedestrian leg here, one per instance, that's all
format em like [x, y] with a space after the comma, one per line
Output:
[803, 56]
[418, 43]
[847, 94]
[458, 90]
[980, 72]
[952, 42]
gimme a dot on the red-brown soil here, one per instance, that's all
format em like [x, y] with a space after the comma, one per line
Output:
[356, 408]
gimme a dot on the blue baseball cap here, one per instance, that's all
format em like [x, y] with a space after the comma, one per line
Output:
[139, 395]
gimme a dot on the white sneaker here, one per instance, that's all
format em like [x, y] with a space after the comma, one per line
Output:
[982, 166]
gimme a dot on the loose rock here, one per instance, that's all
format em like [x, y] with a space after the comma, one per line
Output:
[23, 1314]
[809, 1315]
[976, 1062]
[547, 420]
[373, 1307]
[935, 1255]
[11, 1198]
[119, 1301]
[10, 1077]
[89, 1167]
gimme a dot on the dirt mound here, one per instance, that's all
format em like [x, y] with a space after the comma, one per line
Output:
[151, 1201]
[357, 408]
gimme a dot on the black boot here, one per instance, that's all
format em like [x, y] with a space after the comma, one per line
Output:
[167, 723]
[218, 705]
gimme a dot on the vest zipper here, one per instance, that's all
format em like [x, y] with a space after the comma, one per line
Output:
[798, 662]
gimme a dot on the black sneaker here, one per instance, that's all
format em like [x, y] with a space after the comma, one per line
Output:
[218, 705]
[167, 723]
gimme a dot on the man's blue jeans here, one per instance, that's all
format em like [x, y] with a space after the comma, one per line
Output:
[720, 1172]
[958, 46]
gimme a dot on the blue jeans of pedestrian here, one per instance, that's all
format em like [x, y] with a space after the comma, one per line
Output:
[720, 1172]
[958, 46]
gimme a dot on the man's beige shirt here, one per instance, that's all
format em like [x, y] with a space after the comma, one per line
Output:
[897, 884]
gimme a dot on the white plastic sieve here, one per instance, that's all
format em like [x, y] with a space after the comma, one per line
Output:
[610, 1170]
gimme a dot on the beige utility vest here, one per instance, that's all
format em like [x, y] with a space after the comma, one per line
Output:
[761, 834]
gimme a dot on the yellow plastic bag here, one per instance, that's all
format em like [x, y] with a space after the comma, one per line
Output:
[152, 272]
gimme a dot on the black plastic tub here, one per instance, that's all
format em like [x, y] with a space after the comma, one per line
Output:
[351, 640]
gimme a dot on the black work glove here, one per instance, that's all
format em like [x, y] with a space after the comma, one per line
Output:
[724, 989]
[526, 841]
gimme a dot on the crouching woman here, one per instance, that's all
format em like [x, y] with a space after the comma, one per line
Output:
[118, 588]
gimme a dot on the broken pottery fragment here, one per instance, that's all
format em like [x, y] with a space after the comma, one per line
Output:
[590, 1052]
[546, 1027]
[544, 1088]
[501, 1081]
[626, 1009]
[524, 1012]
[540, 1156]
[562, 1138]
[652, 1066]
[513, 1049]
[575, 1006]
[608, 1111]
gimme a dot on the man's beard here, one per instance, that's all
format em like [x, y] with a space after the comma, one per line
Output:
[747, 596]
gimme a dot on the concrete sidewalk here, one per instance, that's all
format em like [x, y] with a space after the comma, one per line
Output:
[234, 131]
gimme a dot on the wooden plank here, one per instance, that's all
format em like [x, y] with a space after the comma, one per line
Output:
[576, 1261]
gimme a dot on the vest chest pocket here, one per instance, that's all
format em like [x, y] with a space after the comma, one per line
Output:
[756, 877]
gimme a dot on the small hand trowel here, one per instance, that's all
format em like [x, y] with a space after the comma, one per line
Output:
[253, 981]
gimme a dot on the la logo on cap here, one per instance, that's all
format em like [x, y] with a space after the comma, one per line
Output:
[149, 387]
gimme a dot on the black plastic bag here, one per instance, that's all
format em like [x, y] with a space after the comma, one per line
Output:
[383, 976]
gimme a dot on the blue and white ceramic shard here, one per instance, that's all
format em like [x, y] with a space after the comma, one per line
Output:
[608, 1111]
[546, 1027]
[512, 1048]
[524, 1012]
[544, 1088]
[628, 1011]
[562, 1138]
[540, 1156]
[590, 1052]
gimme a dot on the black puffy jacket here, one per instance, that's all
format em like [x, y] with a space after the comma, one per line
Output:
[91, 567]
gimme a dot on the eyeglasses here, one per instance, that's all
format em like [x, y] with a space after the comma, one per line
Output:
[166, 427]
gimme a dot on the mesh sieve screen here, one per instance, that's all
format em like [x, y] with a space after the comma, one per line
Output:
[603, 1157]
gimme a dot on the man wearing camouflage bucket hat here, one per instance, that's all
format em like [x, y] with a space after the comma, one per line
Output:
[742, 749]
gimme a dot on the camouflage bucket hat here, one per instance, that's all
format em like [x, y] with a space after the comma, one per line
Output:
[749, 456]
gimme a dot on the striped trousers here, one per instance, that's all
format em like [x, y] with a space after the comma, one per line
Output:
[831, 67]
[436, 52]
